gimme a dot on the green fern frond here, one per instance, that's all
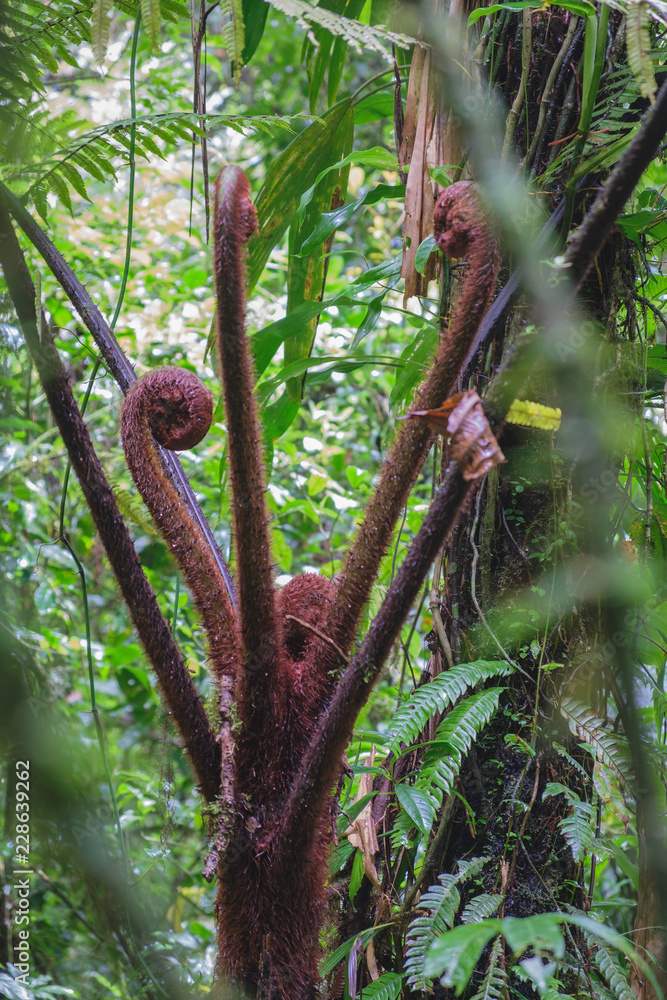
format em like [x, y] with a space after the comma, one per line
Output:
[577, 827]
[96, 151]
[438, 695]
[605, 744]
[233, 33]
[611, 967]
[480, 907]
[494, 984]
[100, 27]
[442, 901]
[638, 44]
[387, 987]
[443, 760]
[360, 36]
[150, 19]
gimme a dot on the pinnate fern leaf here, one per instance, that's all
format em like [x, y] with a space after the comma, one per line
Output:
[438, 695]
[577, 827]
[494, 985]
[233, 34]
[99, 28]
[150, 17]
[442, 903]
[607, 747]
[612, 969]
[480, 907]
[360, 36]
[387, 987]
[442, 763]
[638, 44]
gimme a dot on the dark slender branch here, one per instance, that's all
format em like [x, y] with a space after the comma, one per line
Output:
[179, 691]
[114, 358]
[591, 235]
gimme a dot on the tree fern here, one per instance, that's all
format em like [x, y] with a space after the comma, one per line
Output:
[442, 901]
[453, 739]
[494, 984]
[360, 36]
[438, 695]
[605, 744]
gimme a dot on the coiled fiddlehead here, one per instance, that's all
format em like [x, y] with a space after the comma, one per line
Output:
[171, 407]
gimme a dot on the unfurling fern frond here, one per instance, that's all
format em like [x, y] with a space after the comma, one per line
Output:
[638, 44]
[438, 695]
[435, 780]
[442, 901]
[360, 36]
[233, 33]
[577, 827]
[609, 748]
[494, 984]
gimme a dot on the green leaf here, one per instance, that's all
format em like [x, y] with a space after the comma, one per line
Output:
[330, 221]
[515, 7]
[438, 695]
[417, 805]
[150, 19]
[307, 264]
[233, 34]
[254, 20]
[454, 955]
[387, 987]
[541, 932]
[424, 251]
[99, 28]
[292, 173]
[480, 907]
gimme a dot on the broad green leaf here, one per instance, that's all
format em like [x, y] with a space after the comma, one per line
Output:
[424, 251]
[454, 955]
[254, 20]
[541, 932]
[292, 173]
[330, 221]
[417, 805]
[307, 264]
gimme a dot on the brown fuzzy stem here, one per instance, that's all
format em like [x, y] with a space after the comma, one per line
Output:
[171, 407]
[179, 692]
[318, 774]
[461, 229]
[235, 220]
